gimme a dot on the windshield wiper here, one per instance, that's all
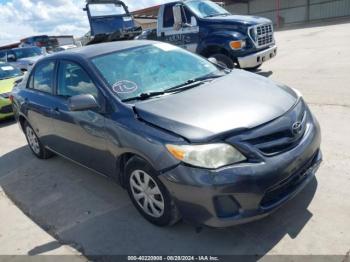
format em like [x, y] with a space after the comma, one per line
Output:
[191, 83]
[144, 96]
[184, 86]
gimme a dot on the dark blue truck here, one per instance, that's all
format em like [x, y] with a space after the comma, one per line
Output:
[110, 20]
[206, 28]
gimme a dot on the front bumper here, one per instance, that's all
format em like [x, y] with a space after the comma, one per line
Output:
[256, 59]
[5, 108]
[244, 192]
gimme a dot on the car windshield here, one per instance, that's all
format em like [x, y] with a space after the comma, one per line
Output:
[151, 68]
[8, 71]
[97, 10]
[206, 8]
[27, 52]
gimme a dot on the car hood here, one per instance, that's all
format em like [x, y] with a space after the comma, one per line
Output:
[6, 85]
[240, 100]
[242, 19]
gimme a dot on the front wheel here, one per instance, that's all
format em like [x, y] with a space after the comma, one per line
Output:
[224, 60]
[34, 143]
[149, 195]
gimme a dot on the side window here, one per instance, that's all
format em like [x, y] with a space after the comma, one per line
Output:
[73, 80]
[186, 15]
[168, 19]
[43, 77]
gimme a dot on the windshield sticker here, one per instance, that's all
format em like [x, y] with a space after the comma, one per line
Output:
[124, 87]
[7, 68]
[165, 47]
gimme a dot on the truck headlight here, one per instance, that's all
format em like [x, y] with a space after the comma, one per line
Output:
[239, 44]
[206, 156]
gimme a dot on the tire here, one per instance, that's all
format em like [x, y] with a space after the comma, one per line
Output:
[224, 60]
[34, 143]
[144, 185]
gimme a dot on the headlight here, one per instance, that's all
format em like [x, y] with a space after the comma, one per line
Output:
[235, 45]
[207, 156]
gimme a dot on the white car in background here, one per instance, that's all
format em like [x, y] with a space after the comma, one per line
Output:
[22, 58]
[65, 47]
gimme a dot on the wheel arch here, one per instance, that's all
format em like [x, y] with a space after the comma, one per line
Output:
[214, 49]
[22, 119]
[122, 161]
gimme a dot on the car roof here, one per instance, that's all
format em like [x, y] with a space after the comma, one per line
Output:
[90, 51]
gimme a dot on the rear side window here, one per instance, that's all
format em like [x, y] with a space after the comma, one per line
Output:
[73, 80]
[42, 77]
[168, 20]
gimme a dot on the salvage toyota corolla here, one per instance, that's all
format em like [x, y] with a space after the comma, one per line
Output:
[187, 138]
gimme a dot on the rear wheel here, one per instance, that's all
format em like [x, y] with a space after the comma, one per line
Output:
[148, 194]
[34, 143]
[224, 60]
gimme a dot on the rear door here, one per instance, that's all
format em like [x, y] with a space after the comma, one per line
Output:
[38, 100]
[79, 135]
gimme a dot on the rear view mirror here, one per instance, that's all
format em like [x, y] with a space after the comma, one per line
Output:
[193, 21]
[82, 103]
[177, 17]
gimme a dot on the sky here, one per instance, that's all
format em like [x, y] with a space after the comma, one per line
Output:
[22, 18]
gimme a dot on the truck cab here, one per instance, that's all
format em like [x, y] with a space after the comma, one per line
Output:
[206, 28]
[110, 20]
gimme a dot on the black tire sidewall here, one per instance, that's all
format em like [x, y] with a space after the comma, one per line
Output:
[137, 163]
[224, 59]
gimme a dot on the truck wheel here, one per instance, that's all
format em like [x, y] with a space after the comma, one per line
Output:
[224, 60]
[149, 195]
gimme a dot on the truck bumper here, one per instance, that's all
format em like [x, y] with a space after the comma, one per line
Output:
[256, 59]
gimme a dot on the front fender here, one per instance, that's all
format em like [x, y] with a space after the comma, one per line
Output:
[219, 40]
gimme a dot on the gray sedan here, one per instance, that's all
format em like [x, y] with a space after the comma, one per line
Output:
[187, 138]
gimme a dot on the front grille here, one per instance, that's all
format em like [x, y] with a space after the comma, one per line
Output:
[262, 35]
[283, 139]
[289, 185]
[6, 109]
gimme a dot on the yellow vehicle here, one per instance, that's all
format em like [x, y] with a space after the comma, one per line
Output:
[8, 76]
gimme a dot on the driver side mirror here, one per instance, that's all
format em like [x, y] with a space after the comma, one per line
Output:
[11, 58]
[193, 21]
[177, 11]
[82, 103]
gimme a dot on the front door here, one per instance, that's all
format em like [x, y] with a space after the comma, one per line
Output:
[186, 37]
[80, 135]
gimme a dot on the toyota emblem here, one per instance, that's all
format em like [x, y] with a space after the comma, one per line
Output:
[297, 127]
